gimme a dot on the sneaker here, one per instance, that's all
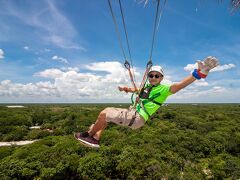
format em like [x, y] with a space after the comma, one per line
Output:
[89, 141]
[78, 135]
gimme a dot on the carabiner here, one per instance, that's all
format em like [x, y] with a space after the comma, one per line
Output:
[126, 64]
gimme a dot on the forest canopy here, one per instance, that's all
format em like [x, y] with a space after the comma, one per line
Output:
[180, 142]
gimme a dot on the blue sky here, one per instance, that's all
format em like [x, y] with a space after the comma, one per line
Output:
[67, 51]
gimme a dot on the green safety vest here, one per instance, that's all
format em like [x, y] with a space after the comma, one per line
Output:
[158, 94]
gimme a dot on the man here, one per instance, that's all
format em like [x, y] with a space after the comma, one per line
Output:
[150, 99]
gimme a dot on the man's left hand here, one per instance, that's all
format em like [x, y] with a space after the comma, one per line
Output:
[204, 67]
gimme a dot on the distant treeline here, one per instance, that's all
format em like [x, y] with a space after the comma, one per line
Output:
[184, 141]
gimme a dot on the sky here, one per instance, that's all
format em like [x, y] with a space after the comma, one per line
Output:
[59, 51]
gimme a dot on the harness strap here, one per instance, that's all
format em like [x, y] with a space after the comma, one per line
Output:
[144, 109]
[144, 80]
[133, 119]
[152, 99]
[156, 102]
[155, 114]
[127, 66]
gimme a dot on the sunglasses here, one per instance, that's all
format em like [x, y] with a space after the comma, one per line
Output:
[152, 75]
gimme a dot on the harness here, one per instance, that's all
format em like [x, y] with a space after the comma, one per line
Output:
[144, 95]
[143, 98]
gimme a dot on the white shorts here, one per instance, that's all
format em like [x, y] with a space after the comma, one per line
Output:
[124, 117]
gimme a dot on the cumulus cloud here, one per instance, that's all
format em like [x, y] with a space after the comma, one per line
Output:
[70, 69]
[114, 69]
[60, 59]
[26, 47]
[9, 89]
[195, 94]
[191, 67]
[50, 73]
[201, 82]
[224, 67]
[72, 84]
[1, 54]
[97, 82]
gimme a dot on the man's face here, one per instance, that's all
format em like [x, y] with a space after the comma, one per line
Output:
[155, 77]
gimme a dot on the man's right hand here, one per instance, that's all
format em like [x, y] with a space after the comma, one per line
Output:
[123, 89]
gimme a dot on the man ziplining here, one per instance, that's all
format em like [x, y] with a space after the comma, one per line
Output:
[150, 99]
[151, 94]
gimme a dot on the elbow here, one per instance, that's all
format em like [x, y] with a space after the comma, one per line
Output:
[174, 89]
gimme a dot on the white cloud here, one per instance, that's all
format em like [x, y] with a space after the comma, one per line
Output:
[71, 85]
[70, 69]
[115, 70]
[201, 82]
[1, 54]
[40, 89]
[61, 59]
[50, 73]
[5, 82]
[26, 47]
[191, 67]
[218, 89]
[104, 66]
[98, 82]
[199, 95]
[224, 67]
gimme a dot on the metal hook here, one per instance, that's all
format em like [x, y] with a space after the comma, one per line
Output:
[149, 64]
[126, 64]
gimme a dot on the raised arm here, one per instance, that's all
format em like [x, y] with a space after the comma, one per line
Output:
[203, 69]
[182, 84]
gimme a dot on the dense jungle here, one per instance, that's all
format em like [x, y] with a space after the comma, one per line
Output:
[183, 141]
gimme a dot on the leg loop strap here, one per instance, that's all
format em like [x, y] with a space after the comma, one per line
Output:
[133, 119]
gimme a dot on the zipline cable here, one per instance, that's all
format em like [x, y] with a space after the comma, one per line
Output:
[161, 12]
[154, 29]
[126, 35]
[116, 28]
[126, 63]
[149, 64]
[157, 20]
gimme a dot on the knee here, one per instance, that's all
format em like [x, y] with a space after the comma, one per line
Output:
[106, 109]
[103, 113]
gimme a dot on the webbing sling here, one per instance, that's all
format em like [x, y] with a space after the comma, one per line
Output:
[133, 119]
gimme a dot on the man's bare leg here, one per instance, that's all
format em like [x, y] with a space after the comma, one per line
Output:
[98, 134]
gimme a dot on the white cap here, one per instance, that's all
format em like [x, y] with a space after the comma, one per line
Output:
[157, 69]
